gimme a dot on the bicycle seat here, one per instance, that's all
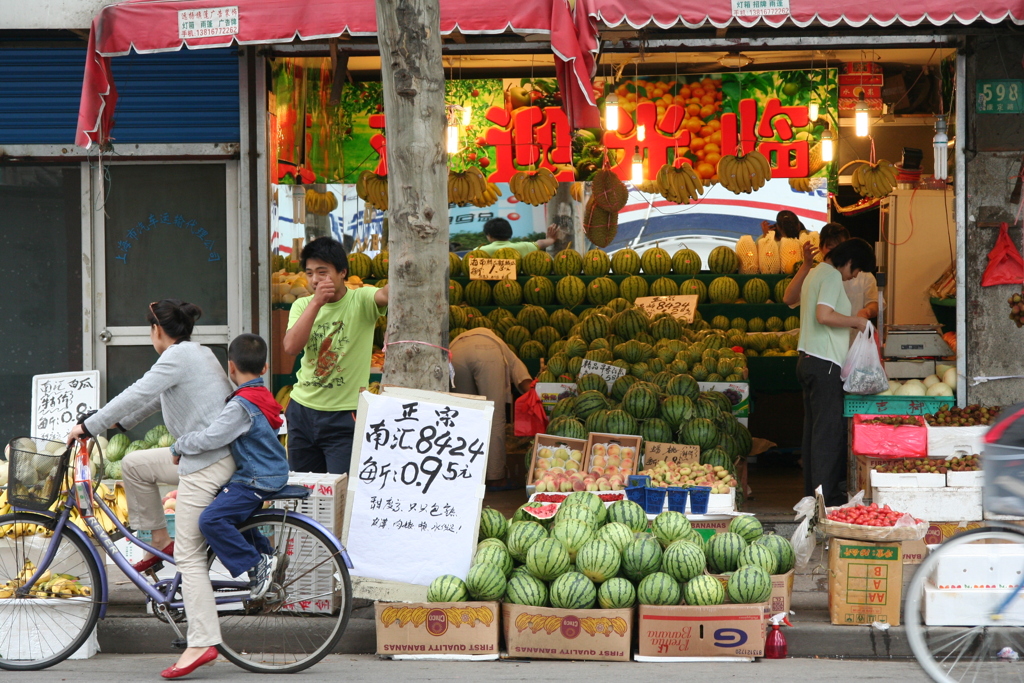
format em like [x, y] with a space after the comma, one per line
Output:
[291, 492]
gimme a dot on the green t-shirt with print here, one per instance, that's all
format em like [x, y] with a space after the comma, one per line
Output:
[336, 359]
[523, 248]
[824, 285]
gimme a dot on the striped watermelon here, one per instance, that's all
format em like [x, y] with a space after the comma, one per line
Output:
[577, 511]
[656, 430]
[499, 314]
[641, 558]
[699, 432]
[591, 382]
[683, 560]
[601, 290]
[594, 327]
[625, 262]
[618, 304]
[537, 263]
[526, 589]
[695, 286]
[675, 410]
[570, 291]
[682, 385]
[532, 317]
[723, 260]
[570, 428]
[629, 513]
[532, 350]
[517, 335]
[783, 550]
[629, 324]
[716, 457]
[756, 291]
[480, 321]
[656, 261]
[632, 287]
[620, 422]
[477, 293]
[759, 556]
[508, 253]
[596, 262]
[720, 322]
[575, 347]
[748, 527]
[507, 293]
[562, 320]
[572, 590]
[568, 262]
[447, 588]
[739, 325]
[588, 402]
[572, 534]
[666, 327]
[454, 293]
[749, 585]
[456, 317]
[360, 265]
[486, 582]
[704, 590]
[521, 537]
[686, 262]
[641, 402]
[539, 291]
[791, 323]
[670, 526]
[475, 253]
[546, 335]
[774, 324]
[496, 555]
[664, 286]
[724, 290]
[658, 589]
[596, 421]
[780, 289]
[723, 552]
[547, 559]
[617, 534]
[616, 593]
[492, 524]
[380, 264]
[599, 560]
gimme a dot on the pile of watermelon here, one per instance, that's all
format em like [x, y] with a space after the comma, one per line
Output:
[583, 555]
[120, 445]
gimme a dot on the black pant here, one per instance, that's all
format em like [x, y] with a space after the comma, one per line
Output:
[824, 440]
[319, 440]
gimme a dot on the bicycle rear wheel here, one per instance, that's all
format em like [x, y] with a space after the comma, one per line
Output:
[306, 610]
[55, 619]
[956, 633]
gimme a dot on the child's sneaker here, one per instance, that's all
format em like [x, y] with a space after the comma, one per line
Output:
[262, 576]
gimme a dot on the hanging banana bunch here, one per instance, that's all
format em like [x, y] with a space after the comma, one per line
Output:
[576, 191]
[534, 187]
[488, 197]
[465, 186]
[320, 203]
[874, 180]
[680, 185]
[744, 174]
[373, 189]
[801, 184]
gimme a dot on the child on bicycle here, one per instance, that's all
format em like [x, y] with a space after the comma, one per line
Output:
[249, 423]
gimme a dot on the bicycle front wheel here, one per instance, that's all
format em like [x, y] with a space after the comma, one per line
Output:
[305, 612]
[55, 619]
[957, 628]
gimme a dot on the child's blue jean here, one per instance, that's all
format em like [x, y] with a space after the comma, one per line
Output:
[238, 552]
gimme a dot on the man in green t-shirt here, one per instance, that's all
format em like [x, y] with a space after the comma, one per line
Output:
[333, 329]
[825, 321]
[498, 232]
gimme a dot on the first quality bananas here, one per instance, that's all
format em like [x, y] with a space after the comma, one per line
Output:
[466, 186]
[744, 174]
[681, 185]
[534, 187]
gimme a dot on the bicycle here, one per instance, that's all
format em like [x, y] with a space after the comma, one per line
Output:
[57, 587]
[968, 633]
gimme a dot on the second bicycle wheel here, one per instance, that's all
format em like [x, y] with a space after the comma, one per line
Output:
[955, 624]
[306, 610]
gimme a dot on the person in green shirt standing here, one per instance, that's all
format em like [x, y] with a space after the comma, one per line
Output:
[333, 329]
[498, 232]
[825, 321]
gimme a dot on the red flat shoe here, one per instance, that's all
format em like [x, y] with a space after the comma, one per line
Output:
[146, 565]
[205, 658]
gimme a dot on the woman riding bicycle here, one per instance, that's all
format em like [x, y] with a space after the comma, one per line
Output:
[189, 386]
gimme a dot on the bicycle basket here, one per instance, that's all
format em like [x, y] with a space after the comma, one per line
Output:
[36, 469]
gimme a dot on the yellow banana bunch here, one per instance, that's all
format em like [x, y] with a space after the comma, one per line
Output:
[874, 180]
[489, 196]
[535, 188]
[680, 185]
[465, 186]
[744, 174]
[284, 394]
[801, 184]
[373, 189]
[320, 203]
[576, 191]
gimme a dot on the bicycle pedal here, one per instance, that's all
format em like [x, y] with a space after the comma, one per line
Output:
[154, 569]
[179, 644]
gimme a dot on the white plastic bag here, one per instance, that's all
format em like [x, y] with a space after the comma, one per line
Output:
[803, 540]
[863, 372]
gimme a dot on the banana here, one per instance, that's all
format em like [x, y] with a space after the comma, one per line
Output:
[800, 184]
[764, 169]
[742, 175]
[576, 191]
[727, 173]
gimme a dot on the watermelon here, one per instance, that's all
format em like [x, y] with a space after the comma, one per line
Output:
[658, 589]
[704, 590]
[572, 590]
[783, 550]
[724, 290]
[629, 513]
[496, 555]
[699, 432]
[485, 581]
[591, 382]
[664, 286]
[575, 347]
[616, 593]
[630, 323]
[117, 447]
[521, 537]
[633, 287]
[779, 293]
[539, 291]
[360, 265]
[568, 262]
[683, 385]
[599, 560]
[723, 552]
[510, 254]
[594, 327]
[492, 524]
[749, 585]
[759, 556]
[716, 457]
[601, 290]
[746, 526]
[587, 499]
[546, 335]
[570, 291]
[670, 526]
[576, 511]
[537, 512]
[640, 401]
[657, 430]
[532, 317]
[562, 320]
[617, 534]
[537, 263]
[526, 589]
[572, 534]
[641, 558]
[695, 287]
[596, 262]
[569, 428]
[547, 559]
[475, 253]
[675, 410]
[477, 293]
[723, 260]
[686, 262]
[154, 434]
[447, 588]
[683, 560]
[625, 262]
[756, 291]
[589, 402]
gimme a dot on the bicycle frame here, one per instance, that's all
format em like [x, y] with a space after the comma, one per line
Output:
[82, 497]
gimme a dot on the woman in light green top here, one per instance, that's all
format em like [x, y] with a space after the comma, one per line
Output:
[825, 318]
